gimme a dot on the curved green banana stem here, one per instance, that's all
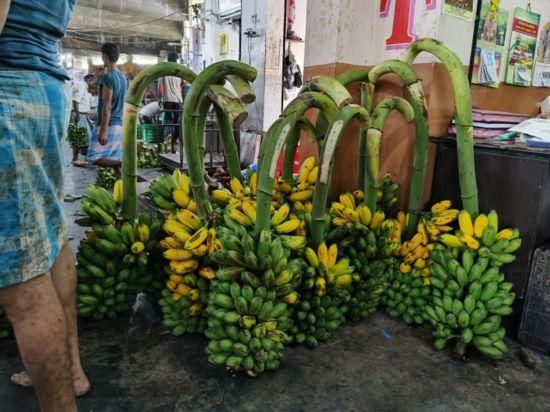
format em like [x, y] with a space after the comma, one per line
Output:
[134, 97]
[353, 76]
[464, 125]
[229, 103]
[367, 98]
[415, 94]
[298, 107]
[322, 186]
[212, 75]
[228, 141]
[267, 166]
[243, 88]
[331, 87]
[374, 134]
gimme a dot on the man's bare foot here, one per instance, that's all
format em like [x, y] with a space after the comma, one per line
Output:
[81, 385]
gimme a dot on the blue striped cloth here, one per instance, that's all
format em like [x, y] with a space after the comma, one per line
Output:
[34, 117]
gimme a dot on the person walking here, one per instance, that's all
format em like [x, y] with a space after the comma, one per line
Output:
[37, 270]
[105, 148]
[171, 100]
[82, 110]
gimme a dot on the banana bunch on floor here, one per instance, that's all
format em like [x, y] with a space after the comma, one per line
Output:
[483, 236]
[407, 297]
[5, 326]
[100, 206]
[415, 253]
[114, 264]
[246, 327]
[368, 292]
[105, 178]
[184, 300]
[147, 157]
[170, 192]
[266, 262]
[469, 298]
[316, 318]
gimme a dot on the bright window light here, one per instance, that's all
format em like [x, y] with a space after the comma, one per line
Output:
[145, 59]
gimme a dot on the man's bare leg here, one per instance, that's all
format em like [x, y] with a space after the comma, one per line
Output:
[40, 327]
[63, 276]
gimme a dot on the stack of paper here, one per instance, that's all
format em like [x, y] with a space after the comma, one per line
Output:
[488, 123]
[535, 131]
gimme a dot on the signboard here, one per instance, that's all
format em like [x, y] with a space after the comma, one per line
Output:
[463, 9]
[523, 43]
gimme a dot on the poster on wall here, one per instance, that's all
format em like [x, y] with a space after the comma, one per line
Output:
[541, 74]
[463, 9]
[489, 50]
[521, 52]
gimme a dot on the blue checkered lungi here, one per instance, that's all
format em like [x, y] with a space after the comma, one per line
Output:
[34, 117]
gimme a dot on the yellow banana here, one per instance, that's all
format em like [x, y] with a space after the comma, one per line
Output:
[181, 199]
[377, 220]
[284, 277]
[339, 221]
[332, 255]
[249, 208]
[173, 226]
[184, 266]
[365, 215]
[401, 217]
[337, 208]
[291, 298]
[177, 254]
[308, 206]
[481, 222]
[465, 223]
[341, 267]
[322, 254]
[194, 295]
[441, 206]
[359, 195]
[450, 240]
[287, 227]
[306, 167]
[184, 183]
[347, 200]
[285, 187]
[404, 268]
[470, 241]
[239, 217]
[253, 183]
[343, 280]
[176, 174]
[236, 185]
[312, 176]
[351, 214]
[182, 236]
[195, 308]
[143, 233]
[207, 273]
[170, 243]
[320, 285]
[222, 196]
[302, 196]
[415, 241]
[192, 206]
[280, 215]
[137, 247]
[299, 207]
[422, 230]
[505, 234]
[311, 257]
[420, 263]
[189, 219]
[200, 250]
[117, 192]
[197, 239]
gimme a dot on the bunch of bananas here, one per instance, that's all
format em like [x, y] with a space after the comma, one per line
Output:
[316, 318]
[238, 191]
[469, 297]
[183, 301]
[105, 178]
[439, 220]
[416, 253]
[5, 326]
[114, 265]
[484, 237]
[367, 292]
[170, 192]
[246, 327]
[301, 189]
[386, 195]
[77, 136]
[147, 157]
[100, 206]
[267, 263]
[407, 297]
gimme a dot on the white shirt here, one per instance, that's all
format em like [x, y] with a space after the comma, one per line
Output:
[172, 89]
[82, 96]
[150, 110]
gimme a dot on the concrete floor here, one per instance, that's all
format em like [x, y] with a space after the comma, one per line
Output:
[379, 364]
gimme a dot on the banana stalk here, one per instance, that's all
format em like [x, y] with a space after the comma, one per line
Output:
[298, 107]
[415, 95]
[374, 134]
[212, 75]
[464, 126]
[243, 88]
[322, 186]
[229, 103]
[134, 97]
[353, 76]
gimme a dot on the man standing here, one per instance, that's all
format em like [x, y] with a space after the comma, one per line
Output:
[81, 110]
[171, 100]
[106, 141]
[37, 271]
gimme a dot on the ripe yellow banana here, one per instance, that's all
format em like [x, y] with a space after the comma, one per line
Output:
[377, 220]
[306, 167]
[249, 208]
[302, 196]
[441, 206]
[280, 215]
[253, 184]
[339, 221]
[311, 257]
[481, 222]
[182, 236]
[312, 176]
[347, 200]
[143, 233]
[189, 219]
[222, 196]
[170, 243]
[465, 223]
[239, 217]
[365, 215]
[341, 267]
[359, 195]
[137, 247]
[332, 255]
[207, 273]
[322, 254]
[173, 226]
[117, 192]
[287, 227]
[181, 198]
[505, 234]
[450, 240]
[184, 183]
[177, 254]
[470, 241]
[236, 185]
[192, 206]
[197, 239]
[182, 267]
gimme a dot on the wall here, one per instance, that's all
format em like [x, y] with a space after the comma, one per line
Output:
[297, 47]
